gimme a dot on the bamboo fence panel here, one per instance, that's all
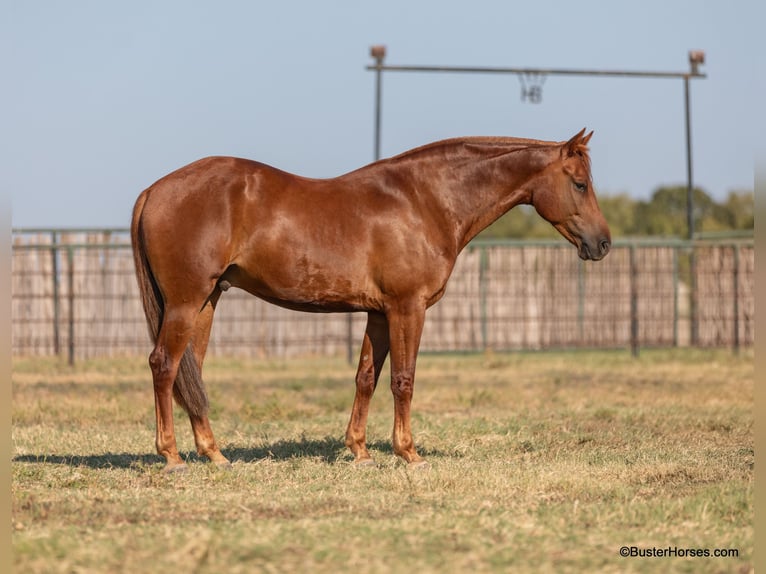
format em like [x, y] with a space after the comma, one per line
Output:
[726, 298]
[503, 297]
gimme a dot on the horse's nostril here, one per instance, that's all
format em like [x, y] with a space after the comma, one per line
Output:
[604, 246]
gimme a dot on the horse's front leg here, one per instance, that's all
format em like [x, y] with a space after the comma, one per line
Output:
[371, 359]
[405, 329]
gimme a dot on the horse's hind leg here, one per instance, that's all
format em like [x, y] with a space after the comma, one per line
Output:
[203, 433]
[172, 339]
[371, 359]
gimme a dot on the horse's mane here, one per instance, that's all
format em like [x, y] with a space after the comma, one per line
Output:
[488, 146]
[582, 150]
[505, 143]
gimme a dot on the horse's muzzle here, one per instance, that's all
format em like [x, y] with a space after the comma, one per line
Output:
[594, 252]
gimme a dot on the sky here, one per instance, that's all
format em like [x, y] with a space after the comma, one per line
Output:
[101, 99]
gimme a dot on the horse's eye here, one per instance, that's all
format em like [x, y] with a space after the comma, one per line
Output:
[583, 187]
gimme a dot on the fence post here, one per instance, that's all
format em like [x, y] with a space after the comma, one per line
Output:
[580, 300]
[70, 271]
[676, 311]
[483, 268]
[350, 338]
[735, 248]
[56, 305]
[693, 297]
[633, 302]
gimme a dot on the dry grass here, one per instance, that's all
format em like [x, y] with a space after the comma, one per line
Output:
[539, 462]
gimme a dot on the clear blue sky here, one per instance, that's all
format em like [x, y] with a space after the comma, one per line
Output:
[100, 99]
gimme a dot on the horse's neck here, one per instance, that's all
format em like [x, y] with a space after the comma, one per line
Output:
[484, 187]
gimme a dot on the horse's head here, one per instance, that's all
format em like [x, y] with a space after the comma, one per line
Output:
[564, 196]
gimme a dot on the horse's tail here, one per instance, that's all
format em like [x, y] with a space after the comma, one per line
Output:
[188, 389]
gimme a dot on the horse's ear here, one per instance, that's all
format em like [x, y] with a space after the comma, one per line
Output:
[576, 143]
[586, 139]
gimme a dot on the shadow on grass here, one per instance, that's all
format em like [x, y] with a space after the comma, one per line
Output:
[329, 450]
[109, 460]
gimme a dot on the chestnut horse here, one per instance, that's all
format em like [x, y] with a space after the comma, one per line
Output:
[382, 239]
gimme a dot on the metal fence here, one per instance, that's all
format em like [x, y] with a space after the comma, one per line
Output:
[74, 294]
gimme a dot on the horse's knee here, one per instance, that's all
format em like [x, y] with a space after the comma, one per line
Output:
[365, 381]
[402, 386]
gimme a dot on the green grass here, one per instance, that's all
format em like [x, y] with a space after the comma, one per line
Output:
[545, 462]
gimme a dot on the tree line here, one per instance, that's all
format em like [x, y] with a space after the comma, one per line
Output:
[663, 215]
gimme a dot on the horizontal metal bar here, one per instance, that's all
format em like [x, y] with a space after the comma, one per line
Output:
[532, 71]
[66, 246]
[730, 234]
[70, 230]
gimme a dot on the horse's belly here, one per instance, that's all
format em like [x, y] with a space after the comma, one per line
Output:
[305, 288]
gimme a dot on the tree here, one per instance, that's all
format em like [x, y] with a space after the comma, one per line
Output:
[666, 213]
[620, 212]
[740, 210]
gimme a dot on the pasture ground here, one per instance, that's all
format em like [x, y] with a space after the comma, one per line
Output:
[545, 462]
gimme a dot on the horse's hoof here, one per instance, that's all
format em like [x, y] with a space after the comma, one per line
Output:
[365, 463]
[418, 465]
[174, 468]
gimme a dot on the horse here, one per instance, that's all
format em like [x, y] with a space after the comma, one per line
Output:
[382, 239]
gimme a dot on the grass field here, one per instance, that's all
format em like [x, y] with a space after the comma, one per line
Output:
[547, 462]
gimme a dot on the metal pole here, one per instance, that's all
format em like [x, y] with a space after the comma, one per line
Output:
[56, 309]
[689, 177]
[70, 271]
[696, 57]
[350, 338]
[379, 53]
[580, 300]
[736, 298]
[532, 71]
[633, 302]
[483, 288]
[676, 281]
[693, 296]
